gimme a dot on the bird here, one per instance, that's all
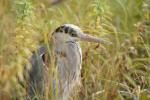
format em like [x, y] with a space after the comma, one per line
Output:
[68, 55]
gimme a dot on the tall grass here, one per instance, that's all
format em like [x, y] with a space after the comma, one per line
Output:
[109, 72]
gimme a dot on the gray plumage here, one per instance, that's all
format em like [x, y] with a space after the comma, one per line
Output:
[68, 64]
[37, 73]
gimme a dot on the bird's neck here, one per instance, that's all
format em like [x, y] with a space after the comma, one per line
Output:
[69, 58]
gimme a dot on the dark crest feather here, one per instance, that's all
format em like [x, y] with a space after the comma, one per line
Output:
[67, 30]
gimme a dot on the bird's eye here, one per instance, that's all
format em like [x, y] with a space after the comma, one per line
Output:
[73, 34]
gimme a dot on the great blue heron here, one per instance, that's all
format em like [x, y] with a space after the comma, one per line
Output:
[68, 64]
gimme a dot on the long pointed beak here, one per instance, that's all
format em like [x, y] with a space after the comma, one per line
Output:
[89, 38]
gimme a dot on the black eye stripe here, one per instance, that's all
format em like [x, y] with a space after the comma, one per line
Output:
[66, 29]
[57, 30]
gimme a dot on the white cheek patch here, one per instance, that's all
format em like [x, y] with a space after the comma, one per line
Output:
[62, 38]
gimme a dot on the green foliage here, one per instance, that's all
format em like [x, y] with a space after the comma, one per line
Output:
[120, 71]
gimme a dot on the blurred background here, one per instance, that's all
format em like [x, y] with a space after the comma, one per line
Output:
[117, 72]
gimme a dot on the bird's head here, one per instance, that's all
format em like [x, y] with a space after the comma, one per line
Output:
[72, 33]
